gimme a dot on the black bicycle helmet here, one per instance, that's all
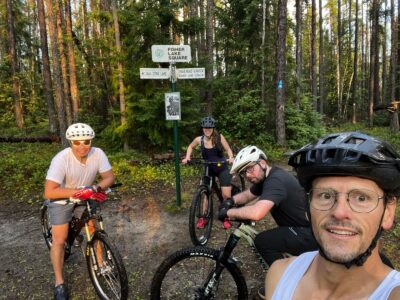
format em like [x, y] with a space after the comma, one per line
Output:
[348, 154]
[208, 122]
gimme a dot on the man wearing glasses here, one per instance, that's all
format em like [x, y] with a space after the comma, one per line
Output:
[353, 182]
[72, 173]
[278, 192]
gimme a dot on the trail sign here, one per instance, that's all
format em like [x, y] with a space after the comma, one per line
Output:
[191, 73]
[173, 106]
[154, 73]
[171, 53]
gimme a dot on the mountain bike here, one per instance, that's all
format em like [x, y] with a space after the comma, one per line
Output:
[106, 268]
[202, 202]
[204, 273]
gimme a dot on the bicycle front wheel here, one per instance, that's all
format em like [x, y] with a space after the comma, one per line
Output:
[201, 217]
[106, 269]
[190, 274]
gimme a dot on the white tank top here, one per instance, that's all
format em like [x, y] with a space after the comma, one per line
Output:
[295, 271]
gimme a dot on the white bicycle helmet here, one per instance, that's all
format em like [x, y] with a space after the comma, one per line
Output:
[246, 156]
[79, 132]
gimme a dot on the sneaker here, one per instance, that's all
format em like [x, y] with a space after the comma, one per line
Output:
[261, 292]
[61, 292]
[227, 223]
[201, 223]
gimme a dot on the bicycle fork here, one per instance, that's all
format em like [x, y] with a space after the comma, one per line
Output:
[222, 261]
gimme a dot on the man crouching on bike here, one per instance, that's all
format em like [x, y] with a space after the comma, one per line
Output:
[278, 192]
[70, 170]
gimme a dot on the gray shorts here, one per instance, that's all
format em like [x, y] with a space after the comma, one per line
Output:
[62, 213]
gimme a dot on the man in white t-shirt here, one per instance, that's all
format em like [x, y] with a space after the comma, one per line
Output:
[72, 173]
[352, 180]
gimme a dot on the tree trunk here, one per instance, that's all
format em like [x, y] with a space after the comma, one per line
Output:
[373, 101]
[299, 23]
[394, 121]
[263, 96]
[281, 68]
[339, 62]
[63, 60]
[18, 113]
[313, 76]
[122, 104]
[321, 61]
[355, 65]
[72, 65]
[210, 52]
[57, 73]
[47, 84]
[382, 90]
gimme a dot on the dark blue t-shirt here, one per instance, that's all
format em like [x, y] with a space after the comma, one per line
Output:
[289, 198]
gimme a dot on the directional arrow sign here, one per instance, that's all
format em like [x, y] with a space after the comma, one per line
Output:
[171, 53]
[191, 73]
[154, 73]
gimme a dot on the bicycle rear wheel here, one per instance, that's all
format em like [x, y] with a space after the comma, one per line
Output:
[201, 207]
[106, 269]
[47, 232]
[188, 273]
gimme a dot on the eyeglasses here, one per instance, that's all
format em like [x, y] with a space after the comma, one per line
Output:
[248, 170]
[85, 142]
[359, 200]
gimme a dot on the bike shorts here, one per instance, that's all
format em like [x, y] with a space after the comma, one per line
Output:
[61, 213]
[224, 178]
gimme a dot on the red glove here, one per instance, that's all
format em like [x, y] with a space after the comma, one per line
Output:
[85, 193]
[99, 196]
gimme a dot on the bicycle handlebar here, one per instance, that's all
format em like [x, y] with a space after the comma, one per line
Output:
[200, 161]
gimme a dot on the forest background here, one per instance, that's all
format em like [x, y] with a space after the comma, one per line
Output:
[278, 73]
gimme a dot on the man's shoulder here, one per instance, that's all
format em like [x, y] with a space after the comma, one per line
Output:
[275, 273]
[395, 294]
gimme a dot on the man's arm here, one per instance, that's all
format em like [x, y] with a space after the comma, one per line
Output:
[274, 274]
[53, 190]
[244, 197]
[107, 179]
[254, 212]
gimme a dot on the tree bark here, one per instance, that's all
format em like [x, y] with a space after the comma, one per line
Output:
[122, 104]
[394, 121]
[72, 65]
[210, 54]
[355, 65]
[299, 25]
[321, 61]
[63, 59]
[339, 61]
[57, 73]
[313, 76]
[18, 112]
[281, 69]
[47, 83]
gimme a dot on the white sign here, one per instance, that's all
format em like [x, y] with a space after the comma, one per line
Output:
[154, 73]
[173, 106]
[171, 53]
[191, 73]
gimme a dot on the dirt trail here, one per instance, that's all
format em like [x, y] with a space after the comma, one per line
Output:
[140, 226]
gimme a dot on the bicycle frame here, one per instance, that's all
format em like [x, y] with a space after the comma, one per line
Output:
[247, 231]
[210, 182]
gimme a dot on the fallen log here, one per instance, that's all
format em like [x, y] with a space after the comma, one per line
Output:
[35, 139]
